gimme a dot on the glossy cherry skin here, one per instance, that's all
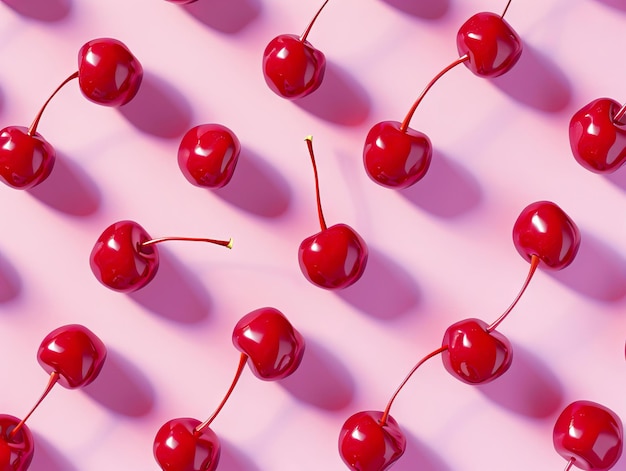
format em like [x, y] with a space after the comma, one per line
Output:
[274, 347]
[334, 258]
[120, 261]
[16, 452]
[108, 73]
[75, 353]
[25, 160]
[591, 433]
[179, 447]
[493, 47]
[597, 141]
[394, 158]
[208, 154]
[366, 445]
[474, 355]
[543, 229]
[293, 68]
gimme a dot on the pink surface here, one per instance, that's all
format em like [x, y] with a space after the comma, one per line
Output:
[441, 250]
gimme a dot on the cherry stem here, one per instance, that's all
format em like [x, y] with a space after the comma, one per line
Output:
[409, 116]
[505, 9]
[309, 143]
[224, 243]
[308, 28]
[242, 363]
[33, 127]
[620, 114]
[570, 463]
[54, 377]
[383, 419]
[534, 263]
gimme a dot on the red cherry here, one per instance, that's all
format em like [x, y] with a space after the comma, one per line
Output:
[16, 448]
[274, 348]
[545, 231]
[597, 136]
[335, 257]
[368, 444]
[208, 154]
[589, 435]
[108, 73]
[124, 258]
[292, 67]
[179, 446]
[26, 158]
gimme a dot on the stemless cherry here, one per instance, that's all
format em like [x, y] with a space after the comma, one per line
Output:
[208, 155]
[335, 257]
[16, 448]
[292, 67]
[126, 259]
[589, 436]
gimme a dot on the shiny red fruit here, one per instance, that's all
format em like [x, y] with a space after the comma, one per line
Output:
[25, 159]
[598, 142]
[366, 445]
[108, 73]
[179, 447]
[590, 433]
[475, 355]
[274, 347]
[120, 261]
[334, 258]
[493, 47]
[208, 154]
[16, 452]
[395, 158]
[75, 353]
[543, 229]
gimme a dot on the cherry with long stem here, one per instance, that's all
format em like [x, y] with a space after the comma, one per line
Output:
[54, 377]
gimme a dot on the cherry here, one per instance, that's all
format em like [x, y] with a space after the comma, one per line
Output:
[597, 135]
[208, 154]
[292, 67]
[26, 158]
[335, 257]
[125, 259]
[16, 448]
[589, 435]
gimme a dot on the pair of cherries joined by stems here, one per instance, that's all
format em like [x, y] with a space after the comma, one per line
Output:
[471, 350]
[272, 348]
[108, 74]
[73, 356]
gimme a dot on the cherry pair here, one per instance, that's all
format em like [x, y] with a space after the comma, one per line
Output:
[108, 74]
[471, 350]
[272, 348]
[73, 356]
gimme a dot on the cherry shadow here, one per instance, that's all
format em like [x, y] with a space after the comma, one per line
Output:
[225, 16]
[617, 4]
[418, 456]
[528, 388]
[598, 271]
[47, 458]
[122, 388]
[158, 109]
[232, 459]
[321, 380]
[68, 189]
[537, 82]
[256, 187]
[41, 10]
[433, 195]
[426, 9]
[340, 99]
[173, 293]
[617, 178]
[385, 291]
[10, 281]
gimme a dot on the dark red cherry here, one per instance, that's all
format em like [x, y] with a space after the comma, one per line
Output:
[75, 353]
[589, 435]
[108, 73]
[16, 448]
[208, 154]
[180, 446]
[273, 346]
[474, 354]
[597, 136]
[365, 444]
[544, 230]
[26, 158]
[492, 46]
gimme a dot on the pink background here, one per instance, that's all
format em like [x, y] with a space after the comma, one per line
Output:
[441, 251]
